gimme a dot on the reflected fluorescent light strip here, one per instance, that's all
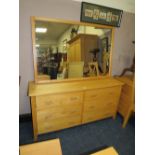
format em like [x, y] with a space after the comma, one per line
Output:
[41, 30]
[37, 45]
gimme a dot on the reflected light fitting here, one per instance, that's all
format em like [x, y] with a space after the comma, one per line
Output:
[37, 45]
[41, 30]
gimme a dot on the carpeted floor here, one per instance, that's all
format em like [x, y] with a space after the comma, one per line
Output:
[80, 139]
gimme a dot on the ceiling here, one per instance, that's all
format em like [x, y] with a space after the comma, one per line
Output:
[54, 30]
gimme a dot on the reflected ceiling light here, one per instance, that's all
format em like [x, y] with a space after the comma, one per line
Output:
[37, 45]
[41, 30]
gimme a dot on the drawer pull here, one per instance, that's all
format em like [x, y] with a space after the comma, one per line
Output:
[73, 112]
[111, 93]
[93, 96]
[63, 112]
[74, 98]
[48, 117]
[91, 107]
[48, 102]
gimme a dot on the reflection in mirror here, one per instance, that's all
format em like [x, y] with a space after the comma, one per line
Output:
[71, 51]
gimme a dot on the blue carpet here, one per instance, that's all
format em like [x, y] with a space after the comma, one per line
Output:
[80, 139]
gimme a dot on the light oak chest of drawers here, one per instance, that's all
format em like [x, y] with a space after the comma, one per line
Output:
[127, 99]
[56, 106]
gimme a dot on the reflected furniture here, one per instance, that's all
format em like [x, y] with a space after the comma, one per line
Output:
[75, 69]
[60, 105]
[80, 46]
[76, 48]
[106, 56]
[48, 147]
[127, 100]
[93, 69]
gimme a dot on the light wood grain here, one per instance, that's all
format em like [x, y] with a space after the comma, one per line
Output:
[34, 117]
[111, 51]
[34, 49]
[108, 151]
[59, 100]
[126, 105]
[100, 103]
[73, 86]
[49, 147]
[62, 105]
[49, 125]
[95, 115]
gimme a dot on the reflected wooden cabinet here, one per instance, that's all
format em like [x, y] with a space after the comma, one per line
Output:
[80, 47]
[62, 105]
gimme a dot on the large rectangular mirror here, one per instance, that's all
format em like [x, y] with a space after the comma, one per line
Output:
[67, 50]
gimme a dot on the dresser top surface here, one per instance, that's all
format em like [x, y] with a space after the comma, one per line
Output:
[128, 79]
[42, 89]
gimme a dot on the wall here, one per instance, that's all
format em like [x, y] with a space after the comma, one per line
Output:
[62, 10]
[124, 49]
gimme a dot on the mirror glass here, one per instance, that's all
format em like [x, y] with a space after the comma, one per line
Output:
[67, 51]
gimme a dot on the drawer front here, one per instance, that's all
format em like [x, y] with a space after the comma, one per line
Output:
[96, 115]
[128, 90]
[98, 105]
[124, 104]
[57, 124]
[100, 94]
[58, 112]
[47, 101]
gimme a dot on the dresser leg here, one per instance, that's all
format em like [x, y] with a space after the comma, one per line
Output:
[114, 116]
[35, 138]
[126, 119]
[34, 118]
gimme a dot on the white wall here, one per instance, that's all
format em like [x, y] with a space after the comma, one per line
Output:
[62, 10]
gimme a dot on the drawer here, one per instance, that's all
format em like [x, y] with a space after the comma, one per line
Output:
[96, 115]
[98, 105]
[125, 100]
[57, 124]
[128, 90]
[47, 101]
[100, 94]
[124, 104]
[58, 112]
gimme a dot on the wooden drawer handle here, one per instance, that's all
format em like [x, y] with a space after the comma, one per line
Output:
[111, 93]
[48, 102]
[48, 117]
[92, 107]
[93, 96]
[63, 112]
[74, 98]
[73, 112]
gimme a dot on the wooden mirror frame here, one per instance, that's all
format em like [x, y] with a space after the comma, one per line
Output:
[34, 18]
